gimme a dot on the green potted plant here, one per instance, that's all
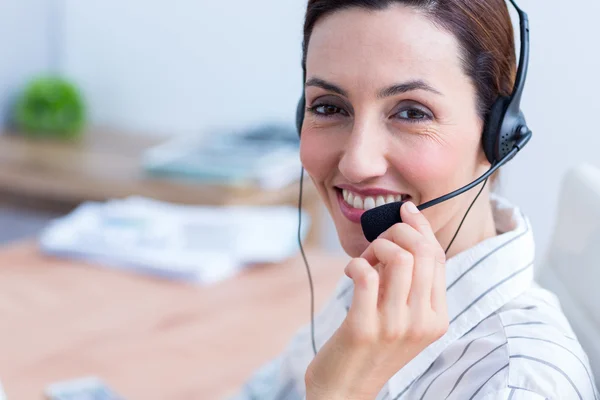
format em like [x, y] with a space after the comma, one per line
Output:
[51, 107]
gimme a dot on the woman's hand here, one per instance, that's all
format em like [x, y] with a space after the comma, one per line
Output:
[398, 309]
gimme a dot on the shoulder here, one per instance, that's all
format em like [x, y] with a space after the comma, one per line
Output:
[526, 350]
[544, 354]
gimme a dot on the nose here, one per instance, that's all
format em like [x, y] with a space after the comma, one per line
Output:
[364, 155]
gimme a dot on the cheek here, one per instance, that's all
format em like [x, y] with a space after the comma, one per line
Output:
[318, 155]
[431, 170]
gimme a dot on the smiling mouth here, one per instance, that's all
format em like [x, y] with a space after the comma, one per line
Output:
[361, 202]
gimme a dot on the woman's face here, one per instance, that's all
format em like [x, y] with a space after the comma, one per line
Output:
[391, 115]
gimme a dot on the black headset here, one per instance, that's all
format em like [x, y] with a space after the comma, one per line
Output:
[505, 133]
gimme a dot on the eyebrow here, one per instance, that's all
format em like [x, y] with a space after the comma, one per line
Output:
[323, 84]
[393, 90]
[409, 86]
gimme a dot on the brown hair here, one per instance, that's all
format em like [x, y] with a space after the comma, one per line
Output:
[483, 29]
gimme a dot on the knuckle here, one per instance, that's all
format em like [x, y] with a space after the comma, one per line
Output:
[424, 248]
[439, 253]
[440, 256]
[402, 257]
[435, 328]
[416, 332]
[442, 328]
[362, 336]
[427, 329]
[423, 223]
[438, 330]
[390, 333]
[369, 276]
[397, 230]
[379, 244]
[352, 267]
[403, 330]
[355, 264]
[362, 272]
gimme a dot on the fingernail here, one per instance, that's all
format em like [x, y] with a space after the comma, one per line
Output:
[410, 206]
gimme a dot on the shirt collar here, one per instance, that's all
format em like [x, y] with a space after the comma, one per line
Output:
[479, 281]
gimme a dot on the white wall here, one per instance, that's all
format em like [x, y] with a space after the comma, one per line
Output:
[561, 105]
[25, 46]
[184, 66]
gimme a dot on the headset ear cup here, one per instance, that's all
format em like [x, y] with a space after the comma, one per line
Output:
[300, 114]
[493, 124]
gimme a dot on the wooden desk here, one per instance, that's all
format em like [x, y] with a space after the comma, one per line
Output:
[148, 339]
[107, 164]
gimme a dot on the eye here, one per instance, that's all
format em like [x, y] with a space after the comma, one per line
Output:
[326, 110]
[413, 115]
[413, 112]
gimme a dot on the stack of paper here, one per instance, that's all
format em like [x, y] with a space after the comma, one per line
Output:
[192, 243]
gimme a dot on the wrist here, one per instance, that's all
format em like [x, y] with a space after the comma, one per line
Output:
[353, 391]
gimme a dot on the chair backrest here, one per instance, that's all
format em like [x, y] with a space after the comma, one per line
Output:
[571, 268]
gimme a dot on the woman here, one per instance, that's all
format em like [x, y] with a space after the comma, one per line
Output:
[397, 95]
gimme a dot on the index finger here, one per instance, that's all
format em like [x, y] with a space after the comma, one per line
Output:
[380, 251]
[412, 216]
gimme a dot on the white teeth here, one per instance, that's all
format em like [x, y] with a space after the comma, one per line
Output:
[358, 202]
[369, 203]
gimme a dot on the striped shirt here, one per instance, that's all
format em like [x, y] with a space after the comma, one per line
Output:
[507, 339]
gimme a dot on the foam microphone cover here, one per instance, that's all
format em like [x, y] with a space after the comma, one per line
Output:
[379, 219]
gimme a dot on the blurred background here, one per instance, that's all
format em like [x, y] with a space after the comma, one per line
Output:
[116, 115]
[191, 67]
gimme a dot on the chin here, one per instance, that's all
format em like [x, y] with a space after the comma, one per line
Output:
[353, 243]
[349, 235]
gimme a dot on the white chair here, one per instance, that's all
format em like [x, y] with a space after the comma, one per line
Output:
[571, 268]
